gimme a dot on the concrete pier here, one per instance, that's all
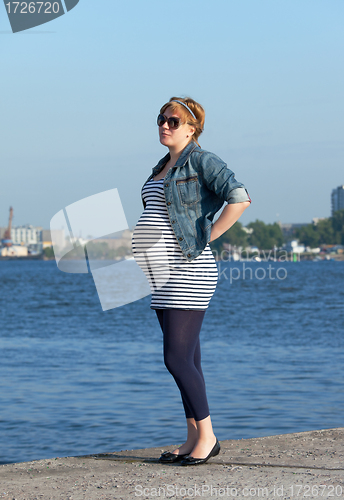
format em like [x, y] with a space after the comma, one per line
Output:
[299, 465]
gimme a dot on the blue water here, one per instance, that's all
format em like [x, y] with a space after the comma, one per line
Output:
[76, 380]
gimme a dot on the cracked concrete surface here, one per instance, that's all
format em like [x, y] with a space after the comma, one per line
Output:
[299, 465]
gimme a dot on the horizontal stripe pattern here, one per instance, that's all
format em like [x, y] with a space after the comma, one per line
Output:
[175, 282]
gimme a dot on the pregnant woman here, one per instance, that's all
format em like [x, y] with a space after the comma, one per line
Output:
[170, 243]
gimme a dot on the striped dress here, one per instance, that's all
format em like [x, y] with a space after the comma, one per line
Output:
[174, 282]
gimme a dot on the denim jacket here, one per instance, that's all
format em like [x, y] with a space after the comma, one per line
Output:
[195, 189]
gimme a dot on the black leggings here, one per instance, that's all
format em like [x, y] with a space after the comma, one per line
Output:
[182, 357]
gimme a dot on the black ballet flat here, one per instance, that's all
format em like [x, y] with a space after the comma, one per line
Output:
[168, 458]
[189, 460]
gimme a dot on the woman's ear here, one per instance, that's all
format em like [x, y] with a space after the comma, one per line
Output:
[191, 131]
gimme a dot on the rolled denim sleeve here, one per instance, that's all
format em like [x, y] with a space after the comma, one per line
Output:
[220, 179]
[238, 195]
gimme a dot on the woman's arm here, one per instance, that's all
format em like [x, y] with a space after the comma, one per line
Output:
[230, 214]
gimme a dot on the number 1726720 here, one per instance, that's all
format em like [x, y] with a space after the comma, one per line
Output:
[33, 7]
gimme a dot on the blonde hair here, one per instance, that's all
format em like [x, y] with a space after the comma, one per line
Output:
[185, 115]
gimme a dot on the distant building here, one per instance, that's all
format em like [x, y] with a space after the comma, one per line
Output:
[337, 199]
[46, 238]
[294, 246]
[26, 235]
[14, 251]
[315, 220]
[289, 230]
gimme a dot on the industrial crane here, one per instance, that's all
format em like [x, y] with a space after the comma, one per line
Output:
[7, 240]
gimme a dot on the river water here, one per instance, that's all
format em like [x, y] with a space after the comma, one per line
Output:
[76, 380]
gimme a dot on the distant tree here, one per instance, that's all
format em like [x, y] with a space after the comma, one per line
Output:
[234, 236]
[48, 252]
[265, 236]
[122, 251]
[308, 236]
[338, 226]
[328, 231]
[97, 250]
[324, 228]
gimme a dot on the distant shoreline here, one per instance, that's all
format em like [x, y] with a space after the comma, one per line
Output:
[302, 259]
[24, 257]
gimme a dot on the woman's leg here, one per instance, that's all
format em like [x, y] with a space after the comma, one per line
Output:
[192, 434]
[182, 356]
[206, 438]
[160, 315]
[181, 330]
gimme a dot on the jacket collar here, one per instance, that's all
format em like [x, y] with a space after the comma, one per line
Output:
[184, 155]
[183, 158]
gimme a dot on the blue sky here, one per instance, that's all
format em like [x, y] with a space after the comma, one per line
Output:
[80, 96]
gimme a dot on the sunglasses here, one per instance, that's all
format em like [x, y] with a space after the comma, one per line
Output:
[174, 122]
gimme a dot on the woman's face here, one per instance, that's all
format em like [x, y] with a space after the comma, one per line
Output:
[175, 138]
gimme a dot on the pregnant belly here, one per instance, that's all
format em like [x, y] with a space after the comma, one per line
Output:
[150, 253]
